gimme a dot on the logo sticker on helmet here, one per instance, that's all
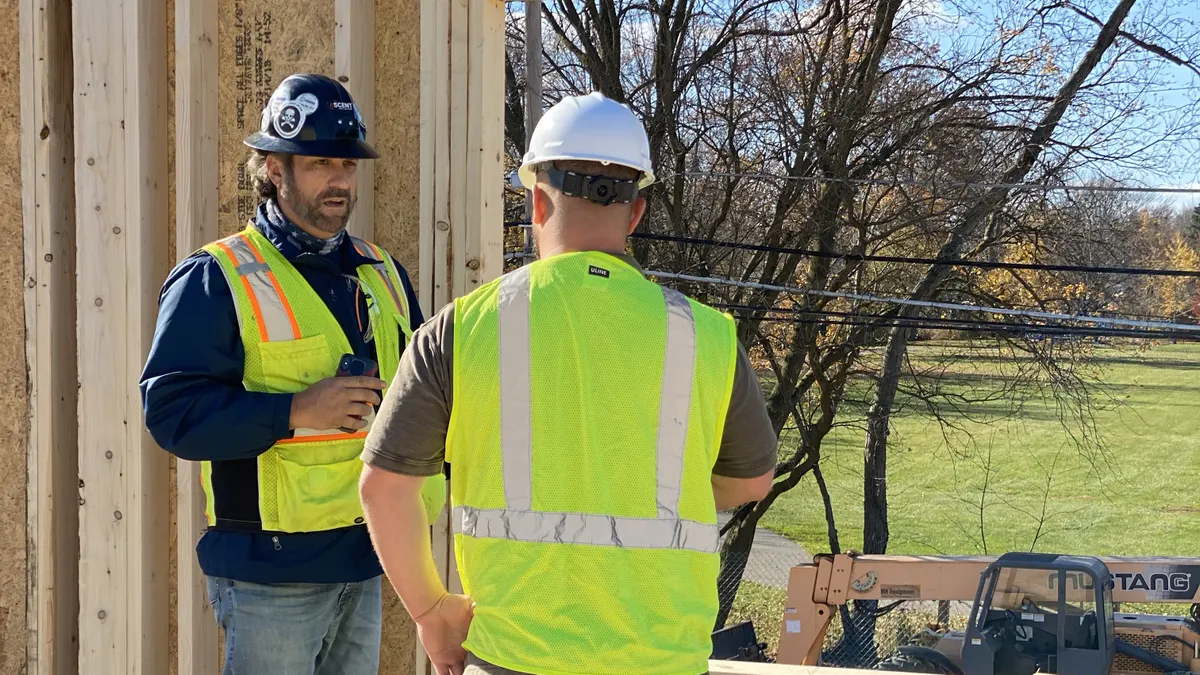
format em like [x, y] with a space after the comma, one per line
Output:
[289, 120]
[290, 115]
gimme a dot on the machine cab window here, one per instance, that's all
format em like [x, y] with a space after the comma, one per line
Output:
[1038, 613]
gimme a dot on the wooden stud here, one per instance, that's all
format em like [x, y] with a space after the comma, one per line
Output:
[483, 255]
[434, 219]
[354, 66]
[459, 87]
[48, 198]
[196, 177]
[462, 135]
[434, 287]
[121, 214]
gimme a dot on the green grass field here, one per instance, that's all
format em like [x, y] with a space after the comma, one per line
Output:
[1138, 496]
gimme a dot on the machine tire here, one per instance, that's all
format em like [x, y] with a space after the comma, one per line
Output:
[915, 659]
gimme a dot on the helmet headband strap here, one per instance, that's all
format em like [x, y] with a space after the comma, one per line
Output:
[601, 190]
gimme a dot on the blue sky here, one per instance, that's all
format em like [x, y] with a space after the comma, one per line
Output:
[1176, 93]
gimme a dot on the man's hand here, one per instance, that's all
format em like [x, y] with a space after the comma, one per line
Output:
[336, 403]
[442, 630]
[399, 530]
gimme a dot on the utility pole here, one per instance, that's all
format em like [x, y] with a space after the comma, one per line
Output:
[533, 100]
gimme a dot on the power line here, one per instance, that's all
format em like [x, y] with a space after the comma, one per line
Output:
[917, 184]
[940, 323]
[926, 303]
[908, 260]
[882, 182]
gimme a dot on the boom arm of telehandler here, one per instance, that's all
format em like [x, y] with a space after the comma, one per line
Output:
[817, 589]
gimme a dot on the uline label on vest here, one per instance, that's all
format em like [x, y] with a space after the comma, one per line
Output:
[598, 271]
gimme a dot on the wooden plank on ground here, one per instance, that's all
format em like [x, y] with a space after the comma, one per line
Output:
[121, 217]
[196, 177]
[48, 198]
[747, 668]
[354, 66]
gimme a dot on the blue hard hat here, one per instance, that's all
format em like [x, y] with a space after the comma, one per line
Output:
[311, 114]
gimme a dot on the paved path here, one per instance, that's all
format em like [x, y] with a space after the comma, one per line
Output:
[771, 556]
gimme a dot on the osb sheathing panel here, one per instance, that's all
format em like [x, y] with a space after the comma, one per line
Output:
[260, 43]
[12, 353]
[397, 137]
[398, 129]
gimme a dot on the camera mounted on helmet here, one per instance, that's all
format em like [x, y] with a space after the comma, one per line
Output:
[602, 190]
[591, 128]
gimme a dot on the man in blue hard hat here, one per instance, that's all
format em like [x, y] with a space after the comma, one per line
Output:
[271, 354]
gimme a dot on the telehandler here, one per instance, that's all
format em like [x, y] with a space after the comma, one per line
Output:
[1030, 613]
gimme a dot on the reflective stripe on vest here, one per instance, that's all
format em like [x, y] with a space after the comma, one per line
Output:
[276, 322]
[518, 522]
[381, 268]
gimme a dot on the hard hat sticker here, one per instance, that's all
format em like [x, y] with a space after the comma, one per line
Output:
[308, 103]
[289, 120]
[290, 115]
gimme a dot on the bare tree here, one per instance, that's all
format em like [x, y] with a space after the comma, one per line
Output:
[829, 131]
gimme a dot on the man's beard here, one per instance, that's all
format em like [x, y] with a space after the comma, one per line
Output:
[310, 211]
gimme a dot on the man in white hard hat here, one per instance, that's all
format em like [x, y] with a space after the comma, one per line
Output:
[594, 423]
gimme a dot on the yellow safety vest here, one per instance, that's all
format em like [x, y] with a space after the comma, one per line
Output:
[589, 408]
[309, 482]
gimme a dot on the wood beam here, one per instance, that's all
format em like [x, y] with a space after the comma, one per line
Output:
[121, 218]
[462, 147]
[354, 66]
[48, 212]
[197, 174]
[745, 668]
[483, 254]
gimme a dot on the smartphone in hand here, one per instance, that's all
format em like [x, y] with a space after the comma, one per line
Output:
[357, 366]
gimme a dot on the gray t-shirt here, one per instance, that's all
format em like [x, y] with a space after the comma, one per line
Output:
[409, 432]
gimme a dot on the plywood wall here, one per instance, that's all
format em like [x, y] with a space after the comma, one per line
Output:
[12, 357]
[397, 129]
[258, 43]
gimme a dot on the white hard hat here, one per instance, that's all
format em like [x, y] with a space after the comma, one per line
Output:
[593, 128]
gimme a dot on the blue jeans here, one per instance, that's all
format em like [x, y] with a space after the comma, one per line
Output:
[299, 629]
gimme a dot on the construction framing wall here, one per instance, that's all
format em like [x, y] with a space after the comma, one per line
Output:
[121, 148]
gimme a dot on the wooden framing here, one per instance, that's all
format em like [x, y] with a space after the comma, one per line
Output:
[462, 137]
[48, 206]
[354, 66]
[94, 163]
[196, 177]
[121, 218]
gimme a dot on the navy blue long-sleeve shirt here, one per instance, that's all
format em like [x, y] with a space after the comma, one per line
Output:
[197, 408]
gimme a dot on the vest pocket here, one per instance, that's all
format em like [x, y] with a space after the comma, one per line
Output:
[314, 497]
[294, 365]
